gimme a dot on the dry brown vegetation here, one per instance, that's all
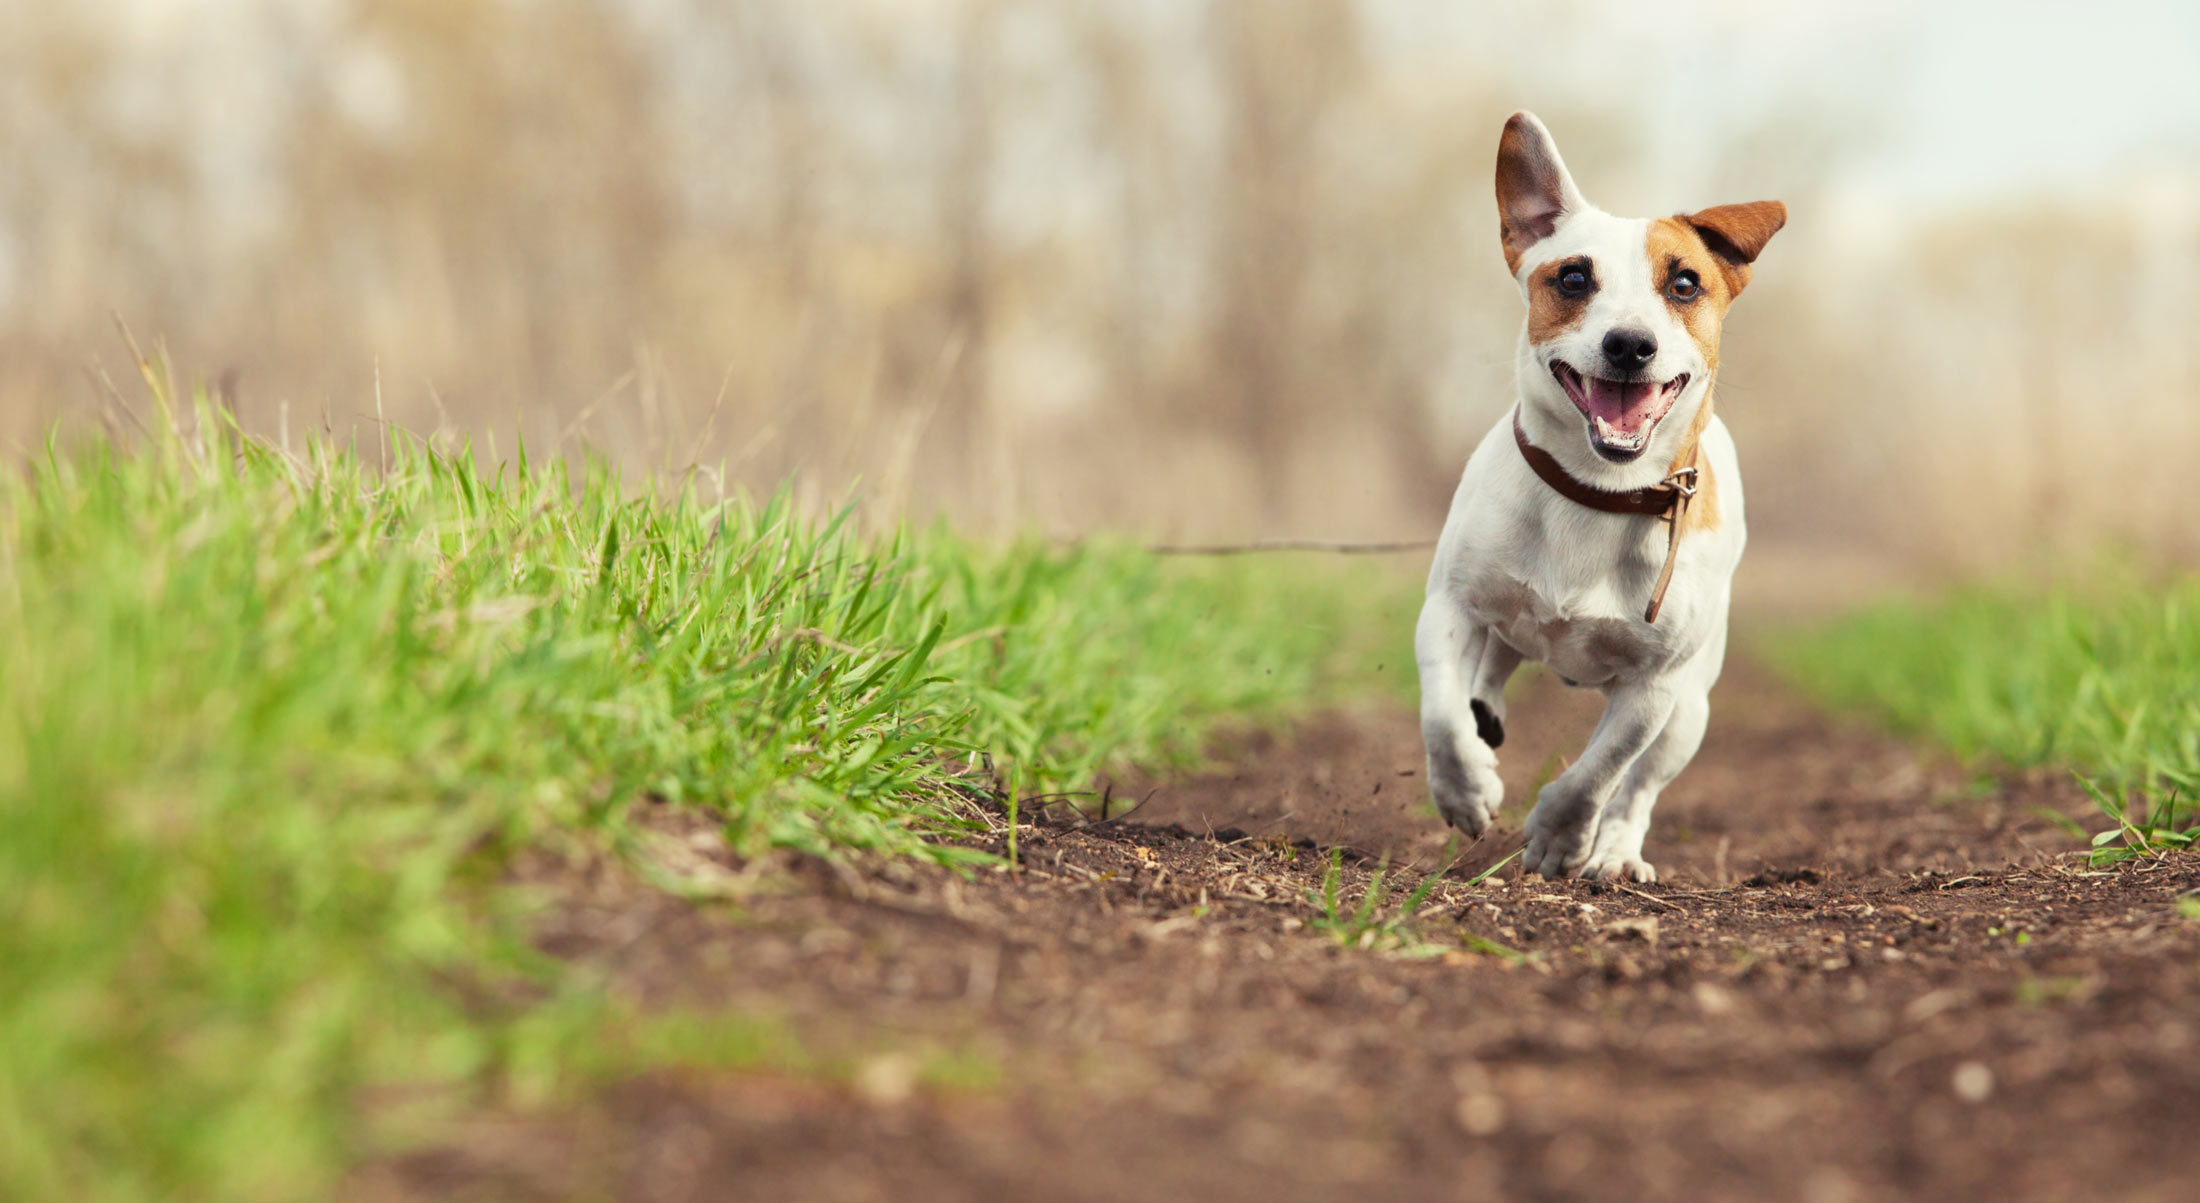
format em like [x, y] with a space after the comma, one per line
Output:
[1208, 268]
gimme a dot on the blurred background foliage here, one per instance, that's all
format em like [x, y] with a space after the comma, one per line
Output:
[1193, 267]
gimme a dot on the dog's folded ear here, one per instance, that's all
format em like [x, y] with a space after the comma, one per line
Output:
[1737, 234]
[1533, 188]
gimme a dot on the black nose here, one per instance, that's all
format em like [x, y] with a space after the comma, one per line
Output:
[1630, 350]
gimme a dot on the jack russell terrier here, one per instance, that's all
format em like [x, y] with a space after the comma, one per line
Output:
[1598, 525]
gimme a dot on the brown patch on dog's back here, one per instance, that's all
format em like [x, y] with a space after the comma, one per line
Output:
[1552, 313]
[1703, 508]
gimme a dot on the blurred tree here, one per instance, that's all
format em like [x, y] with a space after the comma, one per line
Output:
[523, 186]
[1281, 67]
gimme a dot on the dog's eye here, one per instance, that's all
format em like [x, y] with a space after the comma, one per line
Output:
[1573, 279]
[1685, 286]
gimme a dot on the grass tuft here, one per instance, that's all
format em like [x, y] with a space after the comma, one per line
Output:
[1371, 922]
[273, 727]
[2103, 679]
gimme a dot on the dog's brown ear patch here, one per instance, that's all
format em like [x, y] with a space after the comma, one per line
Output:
[1737, 234]
[1533, 189]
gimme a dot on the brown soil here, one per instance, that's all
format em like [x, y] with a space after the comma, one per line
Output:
[1861, 978]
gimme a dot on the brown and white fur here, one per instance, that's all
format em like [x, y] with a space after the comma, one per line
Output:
[1616, 365]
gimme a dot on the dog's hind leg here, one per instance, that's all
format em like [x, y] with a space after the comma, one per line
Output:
[1626, 819]
[1463, 672]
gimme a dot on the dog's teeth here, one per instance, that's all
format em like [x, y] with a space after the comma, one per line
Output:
[1615, 436]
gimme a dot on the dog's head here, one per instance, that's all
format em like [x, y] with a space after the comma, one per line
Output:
[1623, 314]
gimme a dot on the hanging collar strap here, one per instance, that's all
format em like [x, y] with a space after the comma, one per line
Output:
[1668, 500]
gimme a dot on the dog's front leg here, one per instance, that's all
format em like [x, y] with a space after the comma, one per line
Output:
[1626, 818]
[1563, 827]
[1464, 667]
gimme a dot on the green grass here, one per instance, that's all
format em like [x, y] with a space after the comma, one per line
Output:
[272, 729]
[2102, 679]
[1372, 922]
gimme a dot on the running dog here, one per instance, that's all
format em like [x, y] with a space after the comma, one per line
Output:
[1597, 527]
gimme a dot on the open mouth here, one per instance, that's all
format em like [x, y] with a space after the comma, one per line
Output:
[1621, 413]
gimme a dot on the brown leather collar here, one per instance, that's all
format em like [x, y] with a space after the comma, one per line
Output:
[1668, 500]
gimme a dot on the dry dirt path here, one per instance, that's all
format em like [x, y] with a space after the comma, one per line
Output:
[1865, 980]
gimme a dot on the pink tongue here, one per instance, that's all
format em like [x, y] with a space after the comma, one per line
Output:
[1625, 407]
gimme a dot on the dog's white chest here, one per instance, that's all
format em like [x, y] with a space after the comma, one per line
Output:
[1581, 634]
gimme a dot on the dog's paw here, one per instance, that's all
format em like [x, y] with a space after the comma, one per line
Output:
[1618, 868]
[1561, 833]
[1467, 791]
[1617, 852]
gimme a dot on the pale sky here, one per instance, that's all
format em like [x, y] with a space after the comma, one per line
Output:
[1954, 101]
[2038, 94]
[1935, 103]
